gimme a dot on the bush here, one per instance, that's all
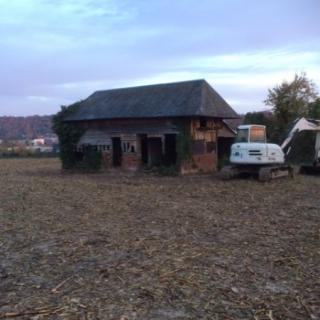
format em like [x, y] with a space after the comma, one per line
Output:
[92, 159]
[167, 170]
[223, 162]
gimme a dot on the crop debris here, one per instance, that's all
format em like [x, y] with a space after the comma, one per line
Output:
[119, 245]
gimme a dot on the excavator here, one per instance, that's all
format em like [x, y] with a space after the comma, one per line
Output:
[251, 154]
[302, 145]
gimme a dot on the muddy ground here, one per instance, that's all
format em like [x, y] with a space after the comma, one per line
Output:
[127, 246]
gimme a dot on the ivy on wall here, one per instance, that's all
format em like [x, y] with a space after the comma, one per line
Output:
[91, 159]
[69, 135]
[184, 141]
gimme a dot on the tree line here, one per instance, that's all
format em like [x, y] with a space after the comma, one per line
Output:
[16, 128]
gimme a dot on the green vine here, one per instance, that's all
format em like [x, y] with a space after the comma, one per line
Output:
[184, 142]
[69, 135]
[91, 160]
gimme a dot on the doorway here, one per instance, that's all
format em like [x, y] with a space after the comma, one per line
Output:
[144, 148]
[117, 152]
[170, 150]
[155, 151]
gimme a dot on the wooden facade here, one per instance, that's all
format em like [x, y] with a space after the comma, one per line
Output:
[133, 144]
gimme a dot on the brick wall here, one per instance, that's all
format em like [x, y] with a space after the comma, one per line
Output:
[107, 159]
[205, 163]
[130, 161]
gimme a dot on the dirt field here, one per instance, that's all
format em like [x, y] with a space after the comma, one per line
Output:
[126, 246]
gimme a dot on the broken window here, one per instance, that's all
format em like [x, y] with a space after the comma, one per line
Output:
[129, 146]
[203, 123]
[101, 147]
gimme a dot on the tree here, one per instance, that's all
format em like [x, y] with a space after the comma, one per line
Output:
[314, 109]
[259, 117]
[290, 100]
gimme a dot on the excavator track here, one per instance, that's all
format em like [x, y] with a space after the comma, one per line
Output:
[228, 172]
[275, 172]
[266, 173]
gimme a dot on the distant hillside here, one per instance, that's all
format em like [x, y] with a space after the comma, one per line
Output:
[24, 127]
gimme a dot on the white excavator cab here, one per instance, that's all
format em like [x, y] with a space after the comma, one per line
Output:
[251, 154]
[251, 134]
[251, 147]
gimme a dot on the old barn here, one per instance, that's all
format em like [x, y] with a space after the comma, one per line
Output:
[157, 125]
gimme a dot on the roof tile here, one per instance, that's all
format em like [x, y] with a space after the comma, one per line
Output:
[179, 99]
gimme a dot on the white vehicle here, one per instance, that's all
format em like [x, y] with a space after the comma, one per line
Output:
[251, 147]
[252, 154]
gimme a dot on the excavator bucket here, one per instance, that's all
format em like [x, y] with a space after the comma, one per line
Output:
[302, 147]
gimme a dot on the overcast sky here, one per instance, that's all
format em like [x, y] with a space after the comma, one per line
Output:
[55, 52]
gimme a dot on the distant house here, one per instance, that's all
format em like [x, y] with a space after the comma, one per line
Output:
[155, 125]
[38, 142]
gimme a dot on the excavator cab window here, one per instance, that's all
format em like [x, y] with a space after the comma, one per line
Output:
[257, 134]
[242, 135]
